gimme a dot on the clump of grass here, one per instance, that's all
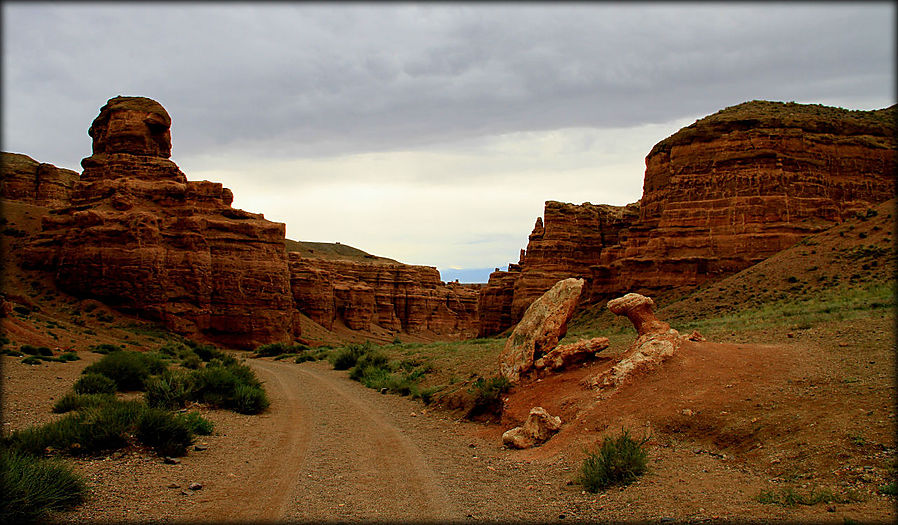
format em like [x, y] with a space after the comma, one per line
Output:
[165, 433]
[276, 349]
[72, 401]
[104, 348]
[346, 357]
[234, 386]
[93, 383]
[31, 360]
[32, 487]
[69, 356]
[889, 489]
[487, 394]
[170, 390]
[197, 423]
[789, 497]
[128, 369]
[619, 461]
[36, 350]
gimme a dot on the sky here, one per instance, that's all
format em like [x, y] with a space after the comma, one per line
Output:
[428, 133]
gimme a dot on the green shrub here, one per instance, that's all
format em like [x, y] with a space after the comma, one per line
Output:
[191, 361]
[69, 356]
[197, 423]
[888, 489]
[93, 383]
[346, 357]
[129, 369]
[270, 350]
[163, 432]
[36, 350]
[32, 360]
[487, 395]
[104, 348]
[218, 386]
[32, 487]
[72, 401]
[170, 390]
[249, 399]
[618, 461]
[13, 353]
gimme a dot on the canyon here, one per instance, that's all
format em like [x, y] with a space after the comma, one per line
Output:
[720, 195]
[133, 232]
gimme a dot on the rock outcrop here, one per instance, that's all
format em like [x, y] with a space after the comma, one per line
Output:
[27, 180]
[394, 296]
[567, 243]
[656, 341]
[539, 427]
[141, 237]
[543, 325]
[563, 356]
[720, 195]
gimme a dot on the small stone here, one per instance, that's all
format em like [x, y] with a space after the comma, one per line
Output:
[414, 415]
[831, 508]
[472, 445]
[790, 335]
[687, 412]
[199, 447]
[383, 390]
[195, 486]
[171, 461]
[174, 486]
[696, 451]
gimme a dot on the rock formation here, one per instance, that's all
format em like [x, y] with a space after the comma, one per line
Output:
[563, 356]
[141, 237]
[394, 296]
[25, 179]
[656, 342]
[539, 427]
[719, 195]
[566, 244]
[543, 325]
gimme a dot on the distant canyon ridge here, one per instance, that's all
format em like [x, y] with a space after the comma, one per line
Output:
[718, 196]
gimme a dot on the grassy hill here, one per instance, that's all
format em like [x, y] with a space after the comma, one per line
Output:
[327, 250]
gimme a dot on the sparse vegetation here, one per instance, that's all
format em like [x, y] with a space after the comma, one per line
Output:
[32, 487]
[93, 383]
[197, 423]
[789, 497]
[487, 395]
[128, 369]
[619, 461]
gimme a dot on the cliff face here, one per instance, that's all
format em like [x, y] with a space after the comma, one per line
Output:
[745, 183]
[720, 195]
[141, 237]
[25, 179]
[565, 244]
[394, 296]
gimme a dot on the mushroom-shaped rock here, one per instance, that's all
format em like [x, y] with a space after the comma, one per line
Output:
[638, 309]
[656, 342]
[564, 356]
[543, 324]
[538, 428]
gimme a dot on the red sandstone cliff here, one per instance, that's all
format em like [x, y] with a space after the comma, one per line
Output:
[394, 296]
[25, 179]
[135, 233]
[720, 195]
[141, 237]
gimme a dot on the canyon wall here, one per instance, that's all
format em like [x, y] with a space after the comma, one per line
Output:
[26, 179]
[394, 296]
[719, 195]
[141, 237]
[133, 232]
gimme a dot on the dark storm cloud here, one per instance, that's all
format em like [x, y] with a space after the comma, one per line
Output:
[302, 79]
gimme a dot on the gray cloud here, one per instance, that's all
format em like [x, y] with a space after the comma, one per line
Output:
[303, 79]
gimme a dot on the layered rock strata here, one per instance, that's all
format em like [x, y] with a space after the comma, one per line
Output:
[25, 179]
[567, 242]
[393, 296]
[141, 237]
[718, 196]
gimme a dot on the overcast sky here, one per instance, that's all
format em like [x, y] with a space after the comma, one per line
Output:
[432, 134]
